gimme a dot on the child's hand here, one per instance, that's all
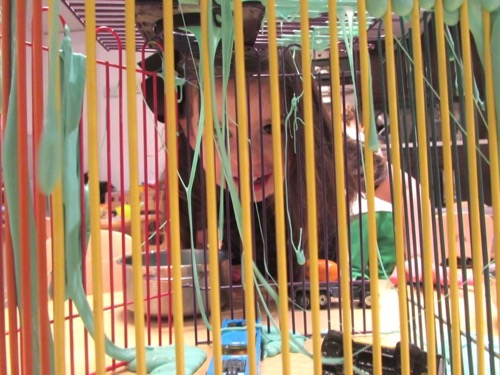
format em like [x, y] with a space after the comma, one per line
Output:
[417, 273]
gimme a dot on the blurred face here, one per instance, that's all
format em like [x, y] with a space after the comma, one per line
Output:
[260, 135]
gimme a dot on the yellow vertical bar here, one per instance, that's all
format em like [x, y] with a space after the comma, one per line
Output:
[424, 181]
[241, 95]
[58, 235]
[278, 182]
[130, 48]
[477, 257]
[370, 188]
[448, 180]
[208, 148]
[173, 181]
[392, 95]
[493, 140]
[310, 167]
[59, 279]
[342, 214]
[90, 35]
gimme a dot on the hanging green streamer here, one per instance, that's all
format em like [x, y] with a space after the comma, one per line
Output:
[158, 359]
[490, 5]
[11, 184]
[452, 5]
[476, 28]
[495, 58]
[376, 8]
[10, 167]
[451, 17]
[346, 16]
[51, 142]
[402, 7]
[427, 4]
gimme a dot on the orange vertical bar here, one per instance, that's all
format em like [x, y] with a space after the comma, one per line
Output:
[370, 187]
[3, 241]
[93, 160]
[6, 62]
[398, 187]
[24, 243]
[133, 153]
[475, 225]
[173, 186]
[11, 301]
[6, 59]
[455, 345]
[3, 337]
[3, 332]
[245, 196]
[39, 199]
[312, 245]
[493, 139]
[278, 183]
[420, 106]
[342, 207]
[209, 149]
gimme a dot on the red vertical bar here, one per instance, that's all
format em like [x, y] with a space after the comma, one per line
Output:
[11, 301]
[167, 231]
[83, 235]
[3, 286]
[39, 197]
[109, 179]
[3, 337]
[6, 58]
[72, 350]
[144, 222]
[122, 181]
[158, 235]
[24, 235]
[9, 260]
[3, 259]
[83, 244]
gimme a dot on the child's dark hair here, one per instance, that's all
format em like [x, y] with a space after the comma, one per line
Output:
[292, 109]
[256, 64]
[354, 154]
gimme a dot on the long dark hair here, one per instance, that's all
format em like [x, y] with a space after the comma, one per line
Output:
[291, 85]
[326, 185]
[296, 184]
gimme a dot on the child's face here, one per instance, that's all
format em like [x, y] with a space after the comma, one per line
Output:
[260, 134]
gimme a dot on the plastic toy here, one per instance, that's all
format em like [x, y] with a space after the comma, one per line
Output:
[332, 347]
[329, 287]
[234, 348]
[360, 291]
[325, 267]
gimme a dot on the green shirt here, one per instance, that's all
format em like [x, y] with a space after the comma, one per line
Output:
[385, 241]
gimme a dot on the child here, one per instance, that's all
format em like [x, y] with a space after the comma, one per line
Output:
[261, 165]
[261, 161]
[384, 211]
[358, 228]
[353, 125]
[191, 166]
